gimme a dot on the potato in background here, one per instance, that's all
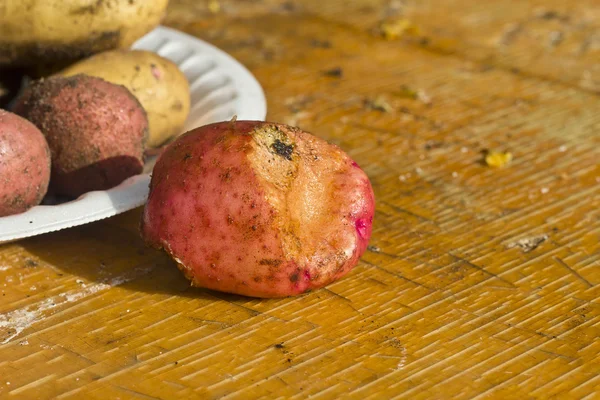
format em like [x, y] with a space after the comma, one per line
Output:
[59, 31]
[158, 84]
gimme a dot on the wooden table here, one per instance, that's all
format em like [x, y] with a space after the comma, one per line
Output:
[480, 282]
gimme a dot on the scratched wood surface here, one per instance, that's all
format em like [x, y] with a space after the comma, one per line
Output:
[480, 282]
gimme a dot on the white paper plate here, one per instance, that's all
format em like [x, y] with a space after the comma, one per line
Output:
[220, 88]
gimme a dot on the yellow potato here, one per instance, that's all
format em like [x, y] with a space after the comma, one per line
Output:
[57, 31]
[158, 84]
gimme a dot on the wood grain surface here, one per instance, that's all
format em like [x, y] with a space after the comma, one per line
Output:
[480, 282]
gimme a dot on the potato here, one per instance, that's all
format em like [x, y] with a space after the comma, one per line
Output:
[258, 209]
[159, 85]
[24, 164]
[95, 129]
[36, 31]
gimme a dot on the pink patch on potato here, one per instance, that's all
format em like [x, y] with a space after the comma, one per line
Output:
[156, 72]
[258, 209]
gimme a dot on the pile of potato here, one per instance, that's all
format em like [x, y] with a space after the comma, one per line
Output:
[248, 207]
[85, 126]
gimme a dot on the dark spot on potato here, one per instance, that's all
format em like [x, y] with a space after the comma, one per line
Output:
[279, 346]
[72, 83]
[270, 262]
[294, 277]
[177, 106]
[91, 9]
[254, 227]
[213, 265]
[282, 149]
[226, 176]
[257, 279]
[187, 156]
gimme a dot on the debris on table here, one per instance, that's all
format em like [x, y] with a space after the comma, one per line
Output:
[408, 93]
[334, 72]
[298, 103]
[322, 44]
[404, 177]
[497, 159]
[373, 249]
[379, 103]
[433, 144]
[528, 244]
[297, 106]
[397, 28]
[296, 118]
[551, 15]
[555, 38]
[423, 97]
[214, 6]
[510, 33]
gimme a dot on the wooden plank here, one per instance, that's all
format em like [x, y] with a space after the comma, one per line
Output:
[479, 282]
[553, 39]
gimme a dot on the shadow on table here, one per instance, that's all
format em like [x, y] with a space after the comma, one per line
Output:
[112, 251]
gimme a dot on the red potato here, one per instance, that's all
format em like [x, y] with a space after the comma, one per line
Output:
[24, 164]
[96, 131]
[258, 209]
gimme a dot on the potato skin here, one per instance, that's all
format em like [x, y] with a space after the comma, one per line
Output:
[55, 31]
[24, 164]
[159, 85]
[258, 209]
[95, 130]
